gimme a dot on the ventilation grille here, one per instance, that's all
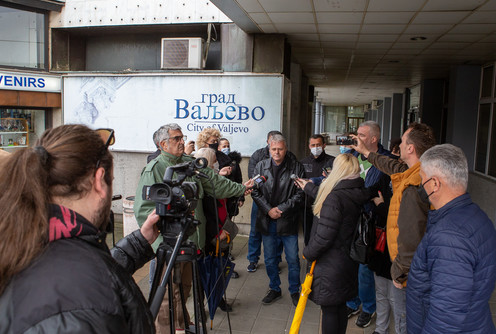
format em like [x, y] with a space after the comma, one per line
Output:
[176, 53]
[181, 53]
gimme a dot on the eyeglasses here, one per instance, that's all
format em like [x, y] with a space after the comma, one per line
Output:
[108, 137]
[178, 138]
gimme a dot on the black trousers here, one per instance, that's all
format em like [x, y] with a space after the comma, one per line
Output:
[334, 319]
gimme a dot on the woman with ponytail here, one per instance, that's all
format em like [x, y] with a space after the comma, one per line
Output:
[337, 205]
[56, 272]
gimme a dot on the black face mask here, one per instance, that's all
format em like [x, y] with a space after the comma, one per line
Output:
[424, 197]
[214, 146]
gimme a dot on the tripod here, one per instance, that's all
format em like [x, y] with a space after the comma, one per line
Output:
[172, 256]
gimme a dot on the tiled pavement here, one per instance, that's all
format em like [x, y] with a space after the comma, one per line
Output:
[246, 293]
[249, 315]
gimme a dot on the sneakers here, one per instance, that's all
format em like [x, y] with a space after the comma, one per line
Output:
[295, 297]
[352, 312]
[252, 267]
[364, 319]
[271, 297]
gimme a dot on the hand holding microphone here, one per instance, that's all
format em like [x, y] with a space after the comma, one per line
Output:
[300, 183]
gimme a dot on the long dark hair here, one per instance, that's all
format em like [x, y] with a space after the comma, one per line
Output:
[59, 165]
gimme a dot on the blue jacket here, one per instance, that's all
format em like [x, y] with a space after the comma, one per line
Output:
[453, 272]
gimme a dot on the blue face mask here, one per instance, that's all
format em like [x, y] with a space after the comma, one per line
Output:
[226, 150]
[343, 149]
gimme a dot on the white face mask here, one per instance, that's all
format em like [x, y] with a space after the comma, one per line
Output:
[215, 167]
[226, 150]
[316, 151]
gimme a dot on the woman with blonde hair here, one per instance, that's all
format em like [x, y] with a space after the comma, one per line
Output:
[208, 137]
[338, 202]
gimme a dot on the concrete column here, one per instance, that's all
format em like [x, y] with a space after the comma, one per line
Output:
[396, 115]
[316, 117]
[386, 122]
[462, 109]
[322, 118]
[237, 49]
[380, 109]
[432, 107]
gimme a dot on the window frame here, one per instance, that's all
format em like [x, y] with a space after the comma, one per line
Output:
[491, 101]
[46, 54]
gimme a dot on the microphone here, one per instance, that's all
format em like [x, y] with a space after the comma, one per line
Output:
[258, 181]
[294, 177]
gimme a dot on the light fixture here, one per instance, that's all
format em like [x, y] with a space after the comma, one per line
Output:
[418, 38]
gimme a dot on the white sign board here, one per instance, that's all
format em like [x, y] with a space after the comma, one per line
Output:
[29, 82]
[242, 107]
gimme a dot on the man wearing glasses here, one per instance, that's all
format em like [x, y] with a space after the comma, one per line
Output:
[172, 145]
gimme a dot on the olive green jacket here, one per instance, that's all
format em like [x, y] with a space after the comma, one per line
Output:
[154, 173]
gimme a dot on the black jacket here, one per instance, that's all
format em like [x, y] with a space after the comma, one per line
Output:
[77, 286]
[313, 166]
[233, 159]
[289, 197]
[259, 155]
[336, 274]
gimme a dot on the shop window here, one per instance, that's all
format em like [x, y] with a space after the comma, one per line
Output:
[485, 158]
[22, 38]
[20, 127]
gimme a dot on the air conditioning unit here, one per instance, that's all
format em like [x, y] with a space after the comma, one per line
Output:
[182, 53]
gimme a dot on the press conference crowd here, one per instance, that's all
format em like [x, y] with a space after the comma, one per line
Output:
[431, 261]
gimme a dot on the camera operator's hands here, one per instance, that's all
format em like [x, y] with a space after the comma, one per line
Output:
[225, 171]
[189, 147]
[359, 147]
[149, 228]
[301, 183]
[275, 213]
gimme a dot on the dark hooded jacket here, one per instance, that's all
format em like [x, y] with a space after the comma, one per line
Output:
[336, 274]
[77, 285]
[232, 159]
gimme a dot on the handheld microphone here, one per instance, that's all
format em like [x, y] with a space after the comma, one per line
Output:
[294, 177]
[258, 181]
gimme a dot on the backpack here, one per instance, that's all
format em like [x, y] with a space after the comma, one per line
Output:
[363, 243]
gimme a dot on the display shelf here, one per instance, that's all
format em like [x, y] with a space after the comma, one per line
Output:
[14, 133]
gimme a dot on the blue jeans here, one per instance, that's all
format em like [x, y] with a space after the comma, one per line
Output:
[366, 291]
[255, 239]
[271, 245]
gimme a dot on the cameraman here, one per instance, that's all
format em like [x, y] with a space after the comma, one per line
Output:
[171, 141]
[56, 272]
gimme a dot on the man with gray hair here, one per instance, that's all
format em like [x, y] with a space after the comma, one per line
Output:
[278, 201]
[172, 146]
[453, 271]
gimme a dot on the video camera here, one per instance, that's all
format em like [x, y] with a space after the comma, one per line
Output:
[176, 199]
